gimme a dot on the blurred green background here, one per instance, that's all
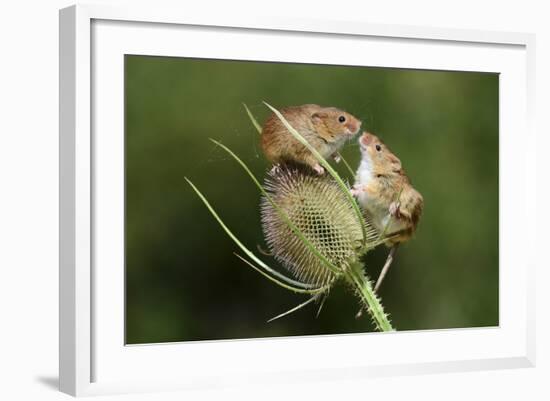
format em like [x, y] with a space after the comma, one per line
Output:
[183, 281]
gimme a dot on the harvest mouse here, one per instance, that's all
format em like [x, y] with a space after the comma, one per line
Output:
[325, 128]
[385, 192]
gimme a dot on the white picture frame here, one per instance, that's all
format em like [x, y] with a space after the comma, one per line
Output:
[93, 356]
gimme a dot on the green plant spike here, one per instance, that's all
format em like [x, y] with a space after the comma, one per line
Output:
[327, 166]
[352, 173]
[249, 253]
[280, 212]
[321, 306]
[288, 312]
[254, 121]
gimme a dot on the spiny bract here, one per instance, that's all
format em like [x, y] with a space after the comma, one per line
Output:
[318, 208]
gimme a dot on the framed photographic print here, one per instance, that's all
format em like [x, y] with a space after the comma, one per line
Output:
[242, 203]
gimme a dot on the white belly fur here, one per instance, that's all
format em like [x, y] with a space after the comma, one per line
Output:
[376, 210]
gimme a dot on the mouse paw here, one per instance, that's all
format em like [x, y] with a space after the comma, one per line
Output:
[337, 157]
[356, 190]
[318, 169]
[394, 209]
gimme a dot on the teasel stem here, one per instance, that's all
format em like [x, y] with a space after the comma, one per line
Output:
[356, 277]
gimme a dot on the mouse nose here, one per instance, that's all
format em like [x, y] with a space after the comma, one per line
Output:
[353, 127]
[366, 138]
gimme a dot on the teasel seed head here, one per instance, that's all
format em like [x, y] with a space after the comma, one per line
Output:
[318, 208]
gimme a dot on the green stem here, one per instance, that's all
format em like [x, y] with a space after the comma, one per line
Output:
[254, 121]
[356, 277]
[352, 173]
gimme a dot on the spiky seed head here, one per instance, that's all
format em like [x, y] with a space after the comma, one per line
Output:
[317, 206]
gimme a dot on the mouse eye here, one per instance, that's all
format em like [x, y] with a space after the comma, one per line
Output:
[342, 119]
[378, 148]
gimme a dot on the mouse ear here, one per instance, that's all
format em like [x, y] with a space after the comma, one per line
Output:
[396, 163]
[318, 116]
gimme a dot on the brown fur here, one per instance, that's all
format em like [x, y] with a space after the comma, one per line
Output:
[318, 125]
